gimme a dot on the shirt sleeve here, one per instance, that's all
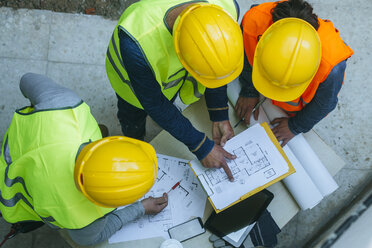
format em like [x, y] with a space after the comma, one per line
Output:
[245, 79]
[216, 100]
[159, 108]
[324, 101]
[103, 228]
[237, 10]
[44, 93]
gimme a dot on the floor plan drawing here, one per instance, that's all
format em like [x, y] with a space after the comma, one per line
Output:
[251, 157]
[183, 163]
[186, 200]
[249, 160]
[270, 173]
[164, 215]
[216, 176]
[258, 162]
[161, 174]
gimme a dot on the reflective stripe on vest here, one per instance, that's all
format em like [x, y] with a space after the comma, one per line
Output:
[38, 167]
[334, 50]
[109, 57]
[174, 82]
[10, 182]
[190, 84]
[149, 31]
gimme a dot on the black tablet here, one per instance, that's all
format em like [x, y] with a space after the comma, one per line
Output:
[239, 215]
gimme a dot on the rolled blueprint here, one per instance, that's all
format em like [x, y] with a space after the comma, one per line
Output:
[300, 185]
[306, 155]
[312, 164]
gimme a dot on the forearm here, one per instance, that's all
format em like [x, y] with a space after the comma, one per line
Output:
[324, 101]
[166, 115]
[103, 228]
[307, 118]
[159, 108]
[216, 100]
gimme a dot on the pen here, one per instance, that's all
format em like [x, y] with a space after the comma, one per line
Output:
[254, 109]
[175, 186]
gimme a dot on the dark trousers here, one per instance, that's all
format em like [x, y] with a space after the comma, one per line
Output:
[132, 119]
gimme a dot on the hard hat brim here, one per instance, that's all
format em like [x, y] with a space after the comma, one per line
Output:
[270, 90]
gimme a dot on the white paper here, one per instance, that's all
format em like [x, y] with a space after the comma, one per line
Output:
[311, 181]
[185, 201]
[235, 236]
[300, 184]
[258, 162]
[233, 91]
[312, 164]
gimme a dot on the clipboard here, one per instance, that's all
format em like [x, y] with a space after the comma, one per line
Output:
[291, 170]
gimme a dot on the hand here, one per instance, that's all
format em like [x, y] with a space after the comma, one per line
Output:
[222, 132]
[155, 205]
[281, 130]
[244, 107]
[216, 159]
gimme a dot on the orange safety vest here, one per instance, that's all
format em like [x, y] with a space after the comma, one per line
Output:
[334, 50]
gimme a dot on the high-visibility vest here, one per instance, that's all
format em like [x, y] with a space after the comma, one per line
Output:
[334, 50]
[144, 22]
[37, 164]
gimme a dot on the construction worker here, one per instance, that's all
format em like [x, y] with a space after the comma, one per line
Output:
[163, 49]
[57, 169]
[298, 61]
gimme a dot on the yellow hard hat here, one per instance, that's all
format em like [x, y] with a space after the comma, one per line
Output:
[116, 170]
[286, 59]
[209, 44]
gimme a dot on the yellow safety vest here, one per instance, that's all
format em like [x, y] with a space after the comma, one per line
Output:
[38, 158]
[144, 22]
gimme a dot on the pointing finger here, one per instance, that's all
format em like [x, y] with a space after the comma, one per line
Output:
[227, 171]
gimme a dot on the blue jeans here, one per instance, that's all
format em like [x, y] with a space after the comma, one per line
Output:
[132, 119]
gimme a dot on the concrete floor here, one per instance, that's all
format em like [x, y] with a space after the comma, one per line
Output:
[71, 49]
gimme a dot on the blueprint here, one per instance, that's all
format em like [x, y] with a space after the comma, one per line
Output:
[185, 201]
[257, 162]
